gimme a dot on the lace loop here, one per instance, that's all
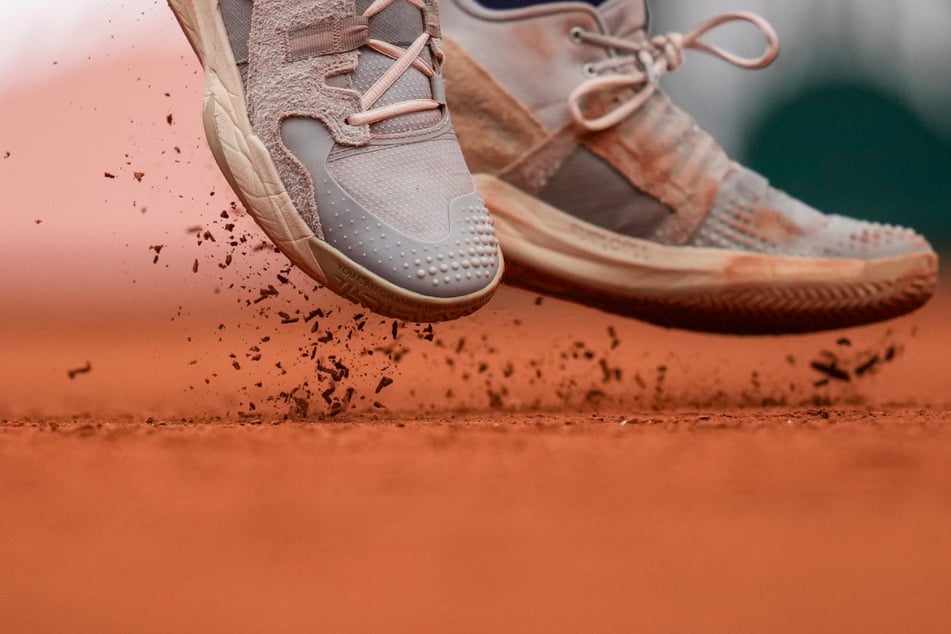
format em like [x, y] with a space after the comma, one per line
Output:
[692, 40]
[637, 64]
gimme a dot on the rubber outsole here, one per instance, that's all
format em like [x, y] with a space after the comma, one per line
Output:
[706, 290]
[247, 165]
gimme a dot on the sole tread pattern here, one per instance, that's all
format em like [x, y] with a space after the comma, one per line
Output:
[766, 310]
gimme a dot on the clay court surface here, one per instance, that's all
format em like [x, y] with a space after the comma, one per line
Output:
[558, 471]
[777, 520]
[195, 439]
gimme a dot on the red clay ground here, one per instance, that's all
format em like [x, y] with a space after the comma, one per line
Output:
[559, 470]
[768, 520]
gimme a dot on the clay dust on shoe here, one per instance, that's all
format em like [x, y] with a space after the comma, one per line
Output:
[606, 194]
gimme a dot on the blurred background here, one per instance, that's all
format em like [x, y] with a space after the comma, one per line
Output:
[131, 283]
[854, 117]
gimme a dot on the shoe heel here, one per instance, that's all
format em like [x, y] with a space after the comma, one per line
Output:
[202, 24]
[209, 118]
[187, 17]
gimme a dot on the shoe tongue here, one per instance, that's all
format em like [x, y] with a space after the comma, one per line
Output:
[399, 24]
[624, 18]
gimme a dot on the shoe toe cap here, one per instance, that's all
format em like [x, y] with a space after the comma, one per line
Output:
[464, 260]
[749, 215]
[845, 237]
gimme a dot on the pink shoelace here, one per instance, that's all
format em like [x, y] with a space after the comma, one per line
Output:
[639, 64]
[404, 59]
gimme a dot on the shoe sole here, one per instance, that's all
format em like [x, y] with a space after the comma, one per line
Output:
[247, 165]
[708, 290]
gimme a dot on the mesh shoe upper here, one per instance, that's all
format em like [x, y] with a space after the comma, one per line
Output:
[377, 180]
[749, 215]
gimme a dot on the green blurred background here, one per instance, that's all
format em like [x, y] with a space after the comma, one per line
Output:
[855, 116]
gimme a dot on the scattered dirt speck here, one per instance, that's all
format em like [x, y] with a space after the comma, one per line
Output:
[86, 369]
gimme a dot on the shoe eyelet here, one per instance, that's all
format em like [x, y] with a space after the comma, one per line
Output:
[588, 71]
[575, 34]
